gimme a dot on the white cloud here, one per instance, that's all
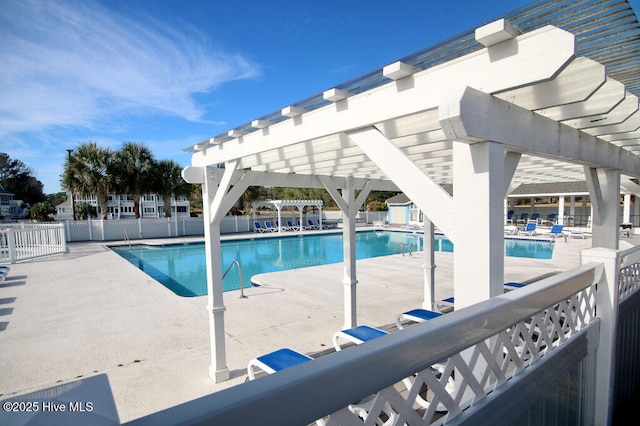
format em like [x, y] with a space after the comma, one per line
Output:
[78, 64]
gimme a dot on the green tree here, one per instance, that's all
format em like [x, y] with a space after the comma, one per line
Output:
[57, 198]
[167, 181]
[134, 166]
[85, 211]
[42, 211]
[90, 170]
[18, 179]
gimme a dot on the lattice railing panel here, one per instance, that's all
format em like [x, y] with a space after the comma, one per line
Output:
[443, 390]
[628, 280]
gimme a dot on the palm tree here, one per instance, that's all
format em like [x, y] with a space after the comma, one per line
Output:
[89, 170]
[168, 181]
[135, 162]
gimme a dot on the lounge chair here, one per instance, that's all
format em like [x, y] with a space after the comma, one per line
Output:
[311, 225]
[258, 228]
[357, 335]
[523, 218]
[269, 227]
[302, 227]
[4, 272]
[551, 219]
[530, 230]
[292, 226]
[326, 225]
[556, 231]
[276, 361]
[416, 315]
[576, 234]
[513, 286]
[510, 229]
[283, 227]
[535, 217]
[446, 304]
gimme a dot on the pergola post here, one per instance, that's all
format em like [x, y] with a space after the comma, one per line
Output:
[429, 266]
[349, 277]
[604, 189]
[479, 190]
[218, 370]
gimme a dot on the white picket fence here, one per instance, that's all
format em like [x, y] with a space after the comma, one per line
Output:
[28, 241]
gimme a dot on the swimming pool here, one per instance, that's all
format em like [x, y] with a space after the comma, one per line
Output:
[181, 267]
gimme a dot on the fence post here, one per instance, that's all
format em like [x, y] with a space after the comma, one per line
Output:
[607, 310]
[11, 244]
[63, 238]
[140, 227]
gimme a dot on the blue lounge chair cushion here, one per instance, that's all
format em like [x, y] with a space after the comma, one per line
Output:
[515, 285]
[415, 315]
[283, 358]
[357, 335]
[364, 333]
[422, 314]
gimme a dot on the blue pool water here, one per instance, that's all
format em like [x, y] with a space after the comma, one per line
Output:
[181, 267]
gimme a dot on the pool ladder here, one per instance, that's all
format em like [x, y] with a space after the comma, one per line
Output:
[235, 262]
[402, 246]
[126, 238]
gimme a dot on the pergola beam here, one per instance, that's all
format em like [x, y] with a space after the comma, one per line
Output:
[434, 201]
[526, 131]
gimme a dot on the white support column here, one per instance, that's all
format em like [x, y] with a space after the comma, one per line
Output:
[626, 215]
[604, 188]
[572, 210]
[429, 266]
[220, 190]
[349, 279]
[478, 261]
[218, 370]
[607, 303]
[561, 209]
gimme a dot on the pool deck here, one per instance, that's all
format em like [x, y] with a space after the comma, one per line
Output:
[90, 312]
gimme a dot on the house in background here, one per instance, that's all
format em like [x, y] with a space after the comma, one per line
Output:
[12, 209]
[402, 211]
[5, 203]
[121, 206]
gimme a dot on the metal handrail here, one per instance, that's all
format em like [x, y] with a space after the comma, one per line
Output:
[126, 238]
[235, 261]
[402, 246]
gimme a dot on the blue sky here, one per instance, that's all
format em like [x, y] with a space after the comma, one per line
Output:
[171, 73]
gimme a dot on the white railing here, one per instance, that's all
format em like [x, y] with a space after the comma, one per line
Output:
[30, 241]
[629, 280]
[454, 361]
[627, 374]
[114, 229]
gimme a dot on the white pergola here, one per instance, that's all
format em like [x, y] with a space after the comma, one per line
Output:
[521, 109]
[298, 204]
